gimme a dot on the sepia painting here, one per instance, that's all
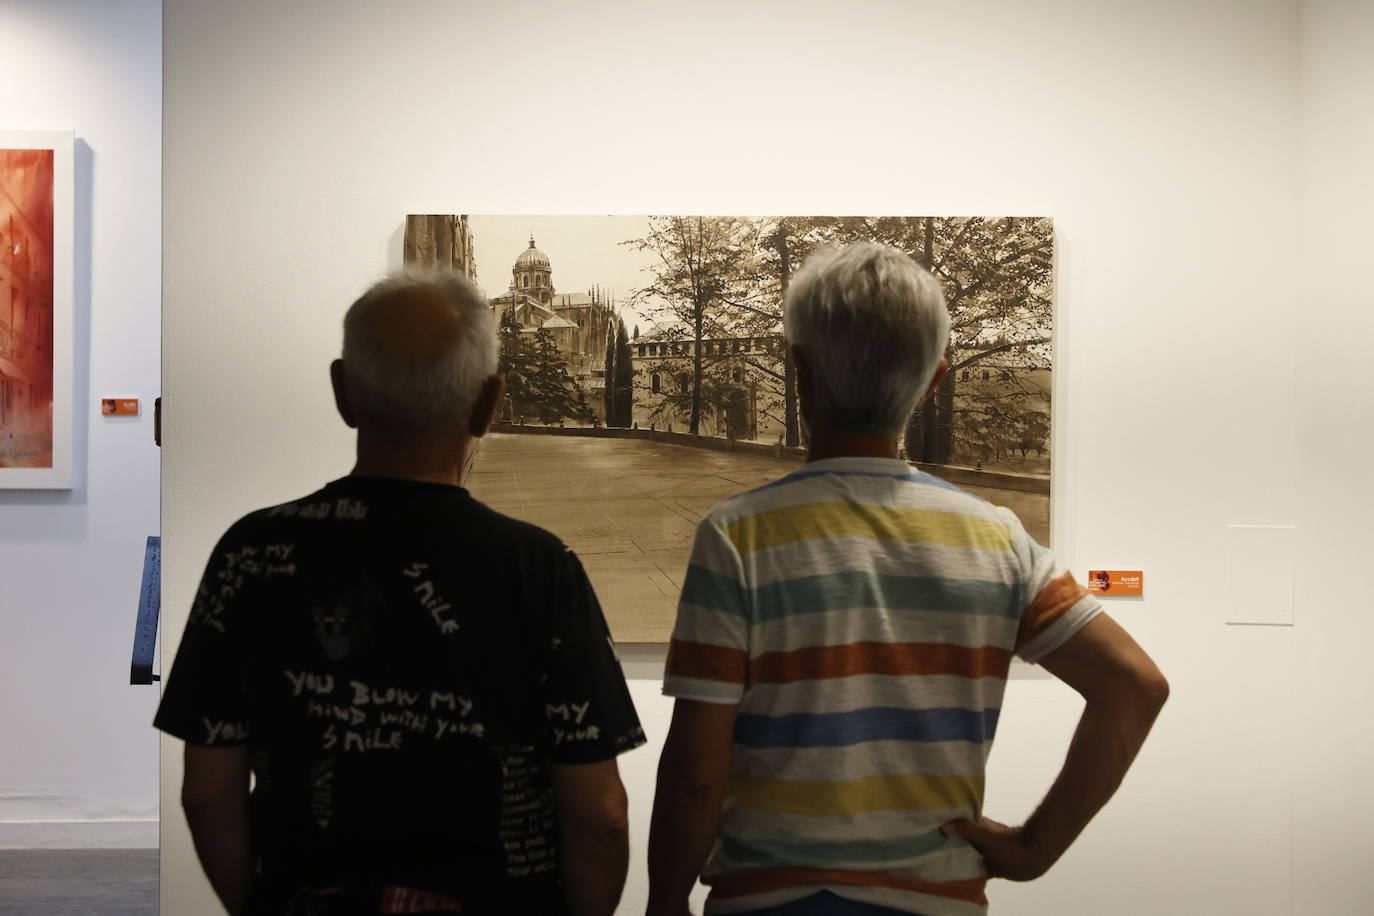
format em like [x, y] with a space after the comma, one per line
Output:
[35, 309]
[647, 376]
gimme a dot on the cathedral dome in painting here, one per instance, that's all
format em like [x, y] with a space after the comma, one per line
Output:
[532, 257]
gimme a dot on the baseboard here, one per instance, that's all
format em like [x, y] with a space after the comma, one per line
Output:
[127, 834]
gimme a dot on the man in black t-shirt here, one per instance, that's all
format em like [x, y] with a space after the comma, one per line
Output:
[423, 690]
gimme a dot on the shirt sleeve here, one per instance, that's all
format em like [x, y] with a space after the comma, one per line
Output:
[708, 657]
[206, 699]
[1057, 605]
[588, 710]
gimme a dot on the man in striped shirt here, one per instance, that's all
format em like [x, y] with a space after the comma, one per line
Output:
[843, 642]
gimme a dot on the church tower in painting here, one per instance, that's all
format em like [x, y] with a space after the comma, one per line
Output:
[532, 275]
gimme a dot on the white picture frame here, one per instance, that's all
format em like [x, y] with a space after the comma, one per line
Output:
[58, 473]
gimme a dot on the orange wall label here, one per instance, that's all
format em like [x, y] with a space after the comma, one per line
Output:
[119, 407]
[1116, 581]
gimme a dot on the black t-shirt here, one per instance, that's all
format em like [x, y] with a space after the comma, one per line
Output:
[405, 665]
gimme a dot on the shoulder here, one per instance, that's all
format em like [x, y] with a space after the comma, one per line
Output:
[507, 533]
[297, 521]
[951, 498]
[807, 485]
[317, 505]
[826, 502]
[783, 491]
[927, 491]
[258, 526]
[995, 525]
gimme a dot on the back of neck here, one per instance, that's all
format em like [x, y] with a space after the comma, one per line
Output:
[828, 441]
[429, 459]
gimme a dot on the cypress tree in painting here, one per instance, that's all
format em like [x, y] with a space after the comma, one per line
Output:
[624, 377]
[608, 393]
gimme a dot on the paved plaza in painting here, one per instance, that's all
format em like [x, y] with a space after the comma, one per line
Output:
[629, 508]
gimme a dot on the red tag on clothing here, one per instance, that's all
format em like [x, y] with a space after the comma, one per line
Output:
[410, 900]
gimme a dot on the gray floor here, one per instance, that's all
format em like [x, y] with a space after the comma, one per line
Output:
[78, 882]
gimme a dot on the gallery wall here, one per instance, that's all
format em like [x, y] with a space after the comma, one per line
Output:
[78, 760]
[1331, 680]
[1164, 140]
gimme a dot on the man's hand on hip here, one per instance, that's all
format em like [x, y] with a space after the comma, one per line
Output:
[1006, 851]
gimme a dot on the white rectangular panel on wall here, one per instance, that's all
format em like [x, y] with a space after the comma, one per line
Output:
[1259, 575]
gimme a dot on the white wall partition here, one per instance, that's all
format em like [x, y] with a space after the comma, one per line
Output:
[1331, 683]
[1163, 138]
[78, 758]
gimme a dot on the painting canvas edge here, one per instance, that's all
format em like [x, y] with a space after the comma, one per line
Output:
[643, 634]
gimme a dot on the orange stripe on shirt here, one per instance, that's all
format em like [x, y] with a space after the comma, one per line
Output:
[899, 659]
[1053, 601]
[763, 880]
[706, 662]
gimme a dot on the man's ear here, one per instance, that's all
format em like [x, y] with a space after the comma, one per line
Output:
[935, 380]
[336, 378]
[484, 411]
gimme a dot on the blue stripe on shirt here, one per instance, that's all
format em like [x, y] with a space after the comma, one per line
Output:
[762, 852]
[856, 588]
[873, 723]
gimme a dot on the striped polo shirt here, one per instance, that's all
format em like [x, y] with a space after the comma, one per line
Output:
[863, 615]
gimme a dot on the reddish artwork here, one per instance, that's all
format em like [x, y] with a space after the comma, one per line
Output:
[26, 308]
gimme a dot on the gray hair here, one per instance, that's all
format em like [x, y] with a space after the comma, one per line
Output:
[873, 326]
[433, 380]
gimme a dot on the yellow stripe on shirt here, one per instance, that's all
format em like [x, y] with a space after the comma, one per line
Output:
[818, 521]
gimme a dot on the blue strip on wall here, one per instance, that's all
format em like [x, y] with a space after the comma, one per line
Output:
[149, 604]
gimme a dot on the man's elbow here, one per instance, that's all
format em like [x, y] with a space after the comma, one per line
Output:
[611, 819]
[1138, 691]
[211, 812]
[1154, 690]
[604, 830]
[613, 825]
[608, 818]
[194, 801]
[1145, 689]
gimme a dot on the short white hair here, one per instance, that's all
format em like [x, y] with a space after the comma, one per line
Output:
[873, 326]
[414, 395]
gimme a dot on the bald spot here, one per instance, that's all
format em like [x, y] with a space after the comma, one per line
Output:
[409, 326]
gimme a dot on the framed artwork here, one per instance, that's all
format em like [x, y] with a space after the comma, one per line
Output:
[36, 277]
[647, 377]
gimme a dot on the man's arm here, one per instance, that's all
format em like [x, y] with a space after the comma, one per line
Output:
[214, 794]
[1124, 692]
[692, 775]
[594, 835]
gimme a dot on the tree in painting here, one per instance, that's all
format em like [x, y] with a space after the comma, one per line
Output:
[996, 274]
[622, 378]
[618, 396]
[700, 265]
[725, 278]
[537, 379]
[608, 401]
